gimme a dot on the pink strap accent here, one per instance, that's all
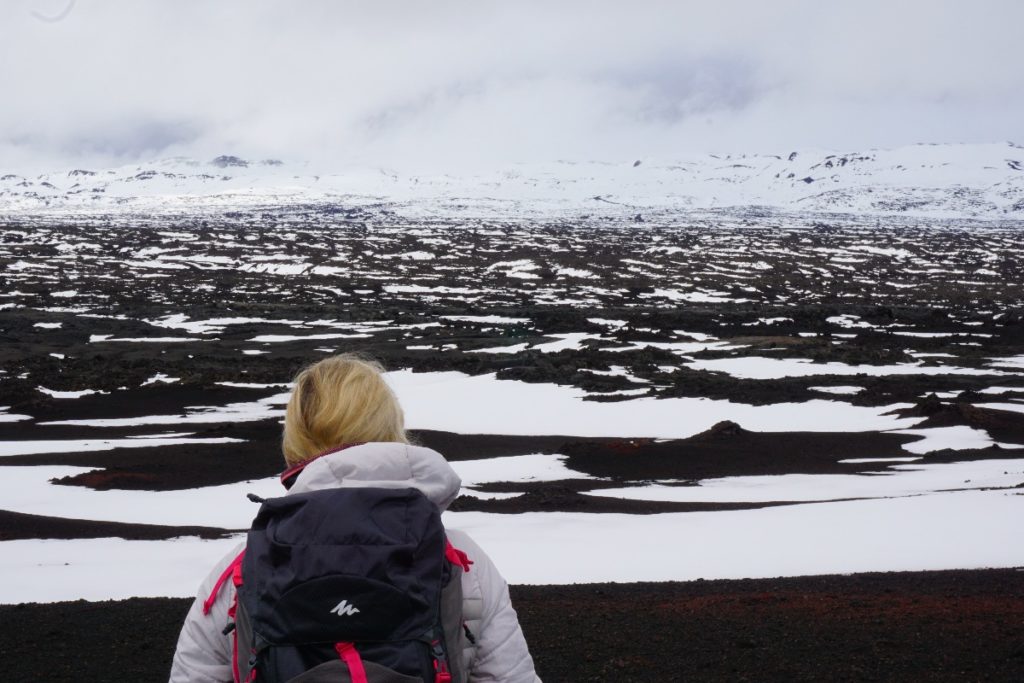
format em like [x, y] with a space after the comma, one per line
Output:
[456, 556]
[441, 673]
[349, 654]
[229, 571]
[236, 574]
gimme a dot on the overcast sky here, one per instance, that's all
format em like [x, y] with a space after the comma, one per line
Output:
[442, 85]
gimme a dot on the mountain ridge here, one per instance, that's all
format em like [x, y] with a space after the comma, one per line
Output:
[943, 181]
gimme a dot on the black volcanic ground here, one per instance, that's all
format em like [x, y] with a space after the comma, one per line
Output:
[354, 281]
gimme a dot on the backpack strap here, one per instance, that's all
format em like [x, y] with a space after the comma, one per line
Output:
[234, 572]
[236, 580]
[442, 674]
[229, 572]
[448, 666]
[349, 655]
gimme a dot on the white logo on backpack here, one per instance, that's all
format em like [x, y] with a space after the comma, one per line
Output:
[343, 609]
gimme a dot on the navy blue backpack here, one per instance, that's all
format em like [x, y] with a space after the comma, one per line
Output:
[349, 584]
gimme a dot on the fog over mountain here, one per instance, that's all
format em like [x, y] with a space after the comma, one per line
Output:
[460, 85]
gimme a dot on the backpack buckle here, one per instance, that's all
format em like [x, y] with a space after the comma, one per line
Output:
[441, 672]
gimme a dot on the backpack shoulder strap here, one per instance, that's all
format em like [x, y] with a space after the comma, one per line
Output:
[229, 573]
[449, 667]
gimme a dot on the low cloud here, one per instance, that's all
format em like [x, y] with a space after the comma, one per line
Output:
[452, 84]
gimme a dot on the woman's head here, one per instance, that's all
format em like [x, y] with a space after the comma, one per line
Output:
[339, 400]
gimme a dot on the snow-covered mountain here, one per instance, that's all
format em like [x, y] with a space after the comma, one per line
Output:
[983, 181]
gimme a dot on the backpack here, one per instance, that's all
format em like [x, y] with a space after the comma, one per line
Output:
[346, 585]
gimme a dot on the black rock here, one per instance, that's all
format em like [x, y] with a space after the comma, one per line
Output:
[225, 161]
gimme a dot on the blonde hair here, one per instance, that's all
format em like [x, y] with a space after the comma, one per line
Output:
[340, 400]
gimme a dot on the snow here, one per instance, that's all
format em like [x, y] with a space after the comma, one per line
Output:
[233, 412]
[161, 378]
[925, 335]
[518, 269]
[771, 321]
[214, 325]
[898, 480]
[575, 272]
[572, 340]
[486, 319]
[104, 568]
[913, 515]
[879, 251]
[922, 181]
[276, 268]
[859, 461]
[1013, 407]
[8, 448]
[68, 394]
[847, 321]
[28, 490]
[453, 401]
[514, 348]
[517, 468]
[910, 514]
[97, 338]
[955, 438]
[12, 417]
[697, 336]
[760, 367]
[839, 390]
[1015, 362]
[972, 529]
[279, 338]
[613, 371]
[680, 348]
[925, 530]
[613, 324]
[420, 289]
[697, 297]
[1000, 390]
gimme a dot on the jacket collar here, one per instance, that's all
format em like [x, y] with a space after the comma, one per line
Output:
[289, 476]
[380, 465]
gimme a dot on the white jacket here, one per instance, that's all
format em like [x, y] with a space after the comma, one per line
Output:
[203, 654]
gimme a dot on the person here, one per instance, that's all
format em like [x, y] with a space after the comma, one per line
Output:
[344, 427]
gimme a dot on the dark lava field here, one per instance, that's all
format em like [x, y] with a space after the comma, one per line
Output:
[224, 311]
[422, 297]
[105, 321]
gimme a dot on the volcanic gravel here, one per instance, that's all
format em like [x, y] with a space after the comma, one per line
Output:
[934, 626]
[78, 296]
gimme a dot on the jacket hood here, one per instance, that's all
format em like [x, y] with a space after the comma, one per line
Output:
[383, 465]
